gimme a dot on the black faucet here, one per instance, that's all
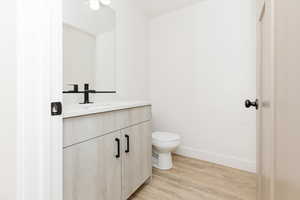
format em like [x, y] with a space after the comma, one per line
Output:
[86, 92]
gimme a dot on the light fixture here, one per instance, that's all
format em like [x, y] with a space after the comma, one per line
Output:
[94, 4]
[105, 2]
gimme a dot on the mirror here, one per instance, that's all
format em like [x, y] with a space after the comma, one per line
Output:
[88, 46]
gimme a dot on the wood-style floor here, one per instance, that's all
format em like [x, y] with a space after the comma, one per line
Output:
[192, 179]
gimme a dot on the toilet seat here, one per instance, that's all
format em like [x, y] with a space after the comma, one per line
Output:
[161, 137]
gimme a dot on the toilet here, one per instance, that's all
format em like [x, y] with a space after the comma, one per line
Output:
[164, 144]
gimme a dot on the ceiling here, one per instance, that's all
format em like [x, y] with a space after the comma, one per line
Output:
[154, 8]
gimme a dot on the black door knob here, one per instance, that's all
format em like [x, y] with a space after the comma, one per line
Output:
[249, 103]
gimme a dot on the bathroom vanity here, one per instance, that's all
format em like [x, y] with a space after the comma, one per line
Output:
[107, 147]
[107, 150]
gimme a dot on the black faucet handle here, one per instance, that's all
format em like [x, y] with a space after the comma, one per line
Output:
[75, 87]
[86, 86]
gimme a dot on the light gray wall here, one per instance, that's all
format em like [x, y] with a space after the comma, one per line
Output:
[8, 104]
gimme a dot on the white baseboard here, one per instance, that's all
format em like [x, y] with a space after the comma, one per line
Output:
[217, 158]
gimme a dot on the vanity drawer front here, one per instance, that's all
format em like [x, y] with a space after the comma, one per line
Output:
[132, 116]
[80, 129]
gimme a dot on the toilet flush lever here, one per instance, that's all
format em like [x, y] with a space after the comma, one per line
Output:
[56, 108]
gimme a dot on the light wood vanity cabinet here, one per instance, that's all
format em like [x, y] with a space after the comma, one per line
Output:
[137, 161]
[92, 171]
[111, 165]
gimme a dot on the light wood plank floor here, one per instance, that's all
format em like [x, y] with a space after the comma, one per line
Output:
[192, 179]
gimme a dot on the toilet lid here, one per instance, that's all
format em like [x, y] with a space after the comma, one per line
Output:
[165, 136]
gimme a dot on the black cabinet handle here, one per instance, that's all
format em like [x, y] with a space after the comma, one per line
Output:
[118, 144]
[128, 143]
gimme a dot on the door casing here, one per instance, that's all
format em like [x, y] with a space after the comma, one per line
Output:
[39, 135]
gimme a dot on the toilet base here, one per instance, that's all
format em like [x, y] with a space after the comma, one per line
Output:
[163, 161]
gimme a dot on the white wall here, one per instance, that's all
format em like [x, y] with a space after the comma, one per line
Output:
[8, 98]
[202, 61]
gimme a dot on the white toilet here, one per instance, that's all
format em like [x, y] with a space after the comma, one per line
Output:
[164, 144]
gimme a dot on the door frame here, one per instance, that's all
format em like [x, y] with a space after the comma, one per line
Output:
[39, 82]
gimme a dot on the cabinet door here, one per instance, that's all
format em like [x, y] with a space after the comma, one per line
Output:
[137, 157]
[92, 169]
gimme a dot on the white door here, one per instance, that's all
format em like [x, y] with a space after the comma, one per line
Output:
[278, 71]
[265, 95]
[264, 103]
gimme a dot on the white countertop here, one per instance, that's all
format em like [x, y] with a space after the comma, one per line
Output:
[87, 109]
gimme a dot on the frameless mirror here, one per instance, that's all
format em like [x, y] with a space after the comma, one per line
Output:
[88, 45]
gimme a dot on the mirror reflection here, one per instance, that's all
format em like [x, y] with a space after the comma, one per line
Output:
[88, 45]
